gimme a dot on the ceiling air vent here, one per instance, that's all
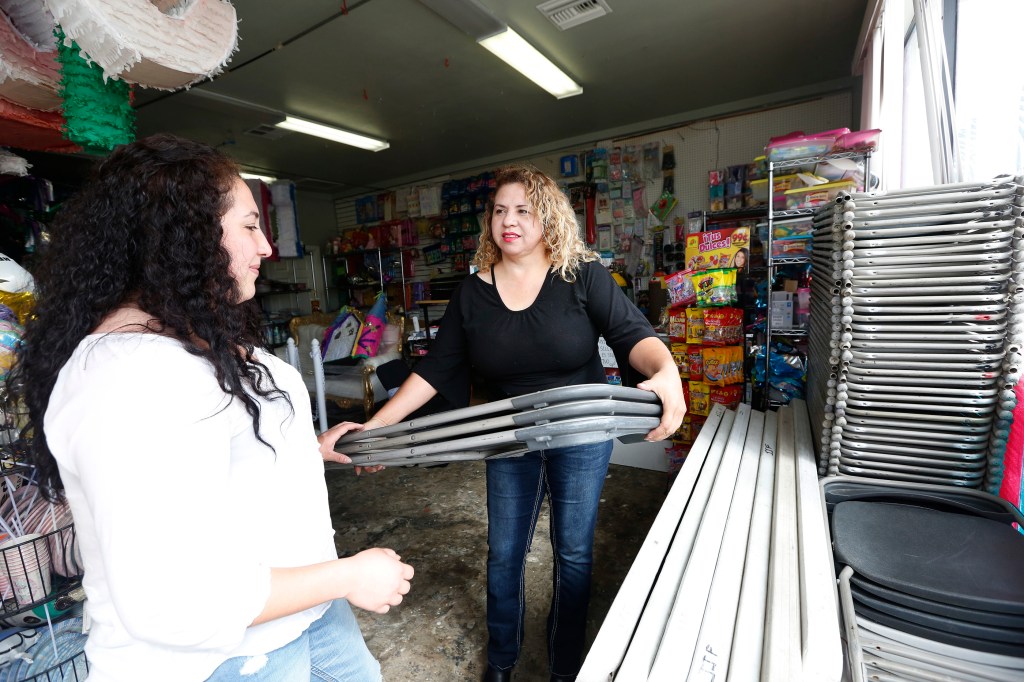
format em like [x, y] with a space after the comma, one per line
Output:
[568, 13]
[267, 131]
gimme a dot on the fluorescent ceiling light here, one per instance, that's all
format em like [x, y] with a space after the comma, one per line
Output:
[334, 134]
[510, 47]
[253, 176]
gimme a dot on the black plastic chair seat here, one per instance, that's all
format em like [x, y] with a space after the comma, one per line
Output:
[939, 499]
[910, 627]
[955, 626]
[863, 586]
[958, 559]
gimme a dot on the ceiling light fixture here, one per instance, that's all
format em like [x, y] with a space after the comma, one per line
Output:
[253, 176]
[300, 125]
[476, 21]
[511, 48]
[292, 123]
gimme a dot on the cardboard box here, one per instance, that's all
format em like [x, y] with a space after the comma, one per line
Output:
[781, 310]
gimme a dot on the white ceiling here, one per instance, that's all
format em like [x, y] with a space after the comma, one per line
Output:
[394, 69]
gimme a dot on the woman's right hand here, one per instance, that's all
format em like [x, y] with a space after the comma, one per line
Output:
[329, 438]
[377, 578]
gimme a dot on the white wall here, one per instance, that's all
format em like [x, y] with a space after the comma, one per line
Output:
[699, 147]
[317, 219]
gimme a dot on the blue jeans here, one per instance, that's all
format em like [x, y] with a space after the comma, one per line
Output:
[572, 478]
[331, 649]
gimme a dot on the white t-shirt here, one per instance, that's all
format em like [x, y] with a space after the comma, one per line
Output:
[179, 511]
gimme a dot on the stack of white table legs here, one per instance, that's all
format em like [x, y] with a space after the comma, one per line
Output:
[735, 579]
[916, 332]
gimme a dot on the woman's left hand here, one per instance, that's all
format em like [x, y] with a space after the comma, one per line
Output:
[667, 385]
[330, 437]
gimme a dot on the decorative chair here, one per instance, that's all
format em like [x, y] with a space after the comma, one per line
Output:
[345, 385]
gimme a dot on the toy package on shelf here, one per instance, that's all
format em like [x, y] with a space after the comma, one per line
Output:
[716, 190]
[735, 186]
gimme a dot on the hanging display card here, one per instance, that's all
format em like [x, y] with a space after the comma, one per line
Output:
[717, 248]
[430, 200]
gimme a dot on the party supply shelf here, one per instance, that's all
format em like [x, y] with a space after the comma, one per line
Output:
[362, 271]
[787, 209]
[40, 578]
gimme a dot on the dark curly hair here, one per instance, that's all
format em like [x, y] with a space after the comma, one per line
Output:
[145, 230]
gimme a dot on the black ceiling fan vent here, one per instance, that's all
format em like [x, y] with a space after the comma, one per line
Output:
[568, 13]
[267, 131]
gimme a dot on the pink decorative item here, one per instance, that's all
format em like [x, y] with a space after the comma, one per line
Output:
[373, 329]
[861, 139]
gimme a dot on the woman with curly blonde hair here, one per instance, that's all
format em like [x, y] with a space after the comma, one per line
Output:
[529, 320]
[561, 236]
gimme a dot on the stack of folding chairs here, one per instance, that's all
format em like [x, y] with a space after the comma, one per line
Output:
[916, 332]
[929, 579]
[555, 418]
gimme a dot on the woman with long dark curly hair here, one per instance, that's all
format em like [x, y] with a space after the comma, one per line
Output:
[529, 320]
[195, 482]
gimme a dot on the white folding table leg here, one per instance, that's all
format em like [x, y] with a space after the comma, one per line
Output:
[637, 662]
[821, 650]
[616, 631]
[714, 644]
[745, 662]
[781, 661]
[679, 643]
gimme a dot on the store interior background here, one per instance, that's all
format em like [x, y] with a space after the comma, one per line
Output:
[715, 79]
[397, 70]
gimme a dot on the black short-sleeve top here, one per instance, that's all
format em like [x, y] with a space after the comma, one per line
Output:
[550, 344]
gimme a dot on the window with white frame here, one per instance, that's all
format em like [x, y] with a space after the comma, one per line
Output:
[982, 39]
[989, 87]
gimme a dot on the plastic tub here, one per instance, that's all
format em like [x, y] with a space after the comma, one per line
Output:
[759, 188]
[784, 229]
[795, 146]
[807, 197]
[861, 139]
[791, 247]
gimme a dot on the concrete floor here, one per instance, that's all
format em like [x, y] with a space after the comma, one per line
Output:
[436, 518]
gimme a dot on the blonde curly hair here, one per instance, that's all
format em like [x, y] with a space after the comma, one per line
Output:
[561, 232]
